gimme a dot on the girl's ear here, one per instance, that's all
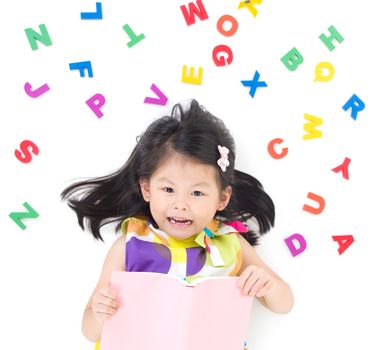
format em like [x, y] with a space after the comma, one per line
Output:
[144, 187]
[225, 198]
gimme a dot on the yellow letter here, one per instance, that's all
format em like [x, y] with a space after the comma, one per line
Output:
[310, 127]
[191, 78]
[321, 68]
[250, 6]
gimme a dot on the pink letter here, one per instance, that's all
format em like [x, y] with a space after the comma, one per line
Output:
[161, 100]
[95, 103]
[291, 246]
[37, 92]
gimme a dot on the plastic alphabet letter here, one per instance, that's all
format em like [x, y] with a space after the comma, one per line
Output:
[356, 104]
[321, 69]
[134, 39]
[199, 11]
[37, 92]
[161, 100]
[191, 78]
[335, 35]
[24, 155]
[344, 242]
[292, 59]
[250, 6]
[272, 151]
[82, 66]
[343, 168]
[18, 216]
[310, 127]
[33, 36]
[319, 200]
[93, 15]
[220, 60]
[221, 22]
[95, 103]
[254, 84]
[291, 245]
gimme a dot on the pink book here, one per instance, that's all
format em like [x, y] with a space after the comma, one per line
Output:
[162, 312]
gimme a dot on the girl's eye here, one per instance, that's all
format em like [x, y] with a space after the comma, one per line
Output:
[168, 189]
[197, 193]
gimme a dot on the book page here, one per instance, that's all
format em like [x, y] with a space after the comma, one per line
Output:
[219, 317]
[161, 312]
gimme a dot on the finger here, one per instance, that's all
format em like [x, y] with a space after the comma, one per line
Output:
[250, 283]
[101, 299]
[108, 292]
[244, 277]
[101, 309]
[260, 282]
[264, 290]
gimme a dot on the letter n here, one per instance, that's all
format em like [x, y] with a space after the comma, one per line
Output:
[33, 36]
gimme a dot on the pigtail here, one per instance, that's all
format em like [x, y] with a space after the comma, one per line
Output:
[252, 205]
[100, 201]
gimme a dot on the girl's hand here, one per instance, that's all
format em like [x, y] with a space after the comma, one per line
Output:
[255, 281]
[104, 304]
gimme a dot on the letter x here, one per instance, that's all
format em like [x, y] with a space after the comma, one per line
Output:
[254, 84]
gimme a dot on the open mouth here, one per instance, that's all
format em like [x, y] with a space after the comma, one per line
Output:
[179, 221]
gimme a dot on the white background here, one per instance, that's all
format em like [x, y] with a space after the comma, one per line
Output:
[49, 270]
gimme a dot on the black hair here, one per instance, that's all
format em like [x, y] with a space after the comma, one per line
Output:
[194, 133]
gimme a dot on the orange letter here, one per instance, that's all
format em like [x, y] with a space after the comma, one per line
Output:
[221, 22]
[319, 200]
[272, 152]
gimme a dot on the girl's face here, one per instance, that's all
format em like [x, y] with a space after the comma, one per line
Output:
[184, 196]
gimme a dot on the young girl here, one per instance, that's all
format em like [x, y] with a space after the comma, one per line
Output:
[183, 209]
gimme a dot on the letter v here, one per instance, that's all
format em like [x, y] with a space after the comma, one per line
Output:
[161, 100]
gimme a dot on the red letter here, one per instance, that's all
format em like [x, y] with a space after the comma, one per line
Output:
[220, 60]
[189, 15]
[344, 242]
[343, 168]
[26, 157]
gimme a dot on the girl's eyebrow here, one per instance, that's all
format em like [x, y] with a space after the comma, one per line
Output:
[202, 183]
[164, 179]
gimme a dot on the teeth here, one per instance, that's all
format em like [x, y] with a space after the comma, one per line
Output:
[176, 221]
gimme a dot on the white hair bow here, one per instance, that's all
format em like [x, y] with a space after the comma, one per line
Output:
[223, 162]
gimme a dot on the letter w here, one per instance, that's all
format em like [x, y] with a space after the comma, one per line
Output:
[310, 127]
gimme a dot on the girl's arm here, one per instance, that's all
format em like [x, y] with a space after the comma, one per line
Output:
[102, 303]
[258, 279]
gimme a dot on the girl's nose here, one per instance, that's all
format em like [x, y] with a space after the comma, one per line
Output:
[180, 206]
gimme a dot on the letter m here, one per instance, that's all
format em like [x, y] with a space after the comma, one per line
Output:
[189, 14]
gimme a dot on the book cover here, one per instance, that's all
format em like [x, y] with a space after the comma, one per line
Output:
[163, 312]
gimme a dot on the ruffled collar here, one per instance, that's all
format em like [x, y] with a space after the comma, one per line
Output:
[205, 238]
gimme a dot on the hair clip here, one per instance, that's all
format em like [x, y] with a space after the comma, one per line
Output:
[223, 161]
